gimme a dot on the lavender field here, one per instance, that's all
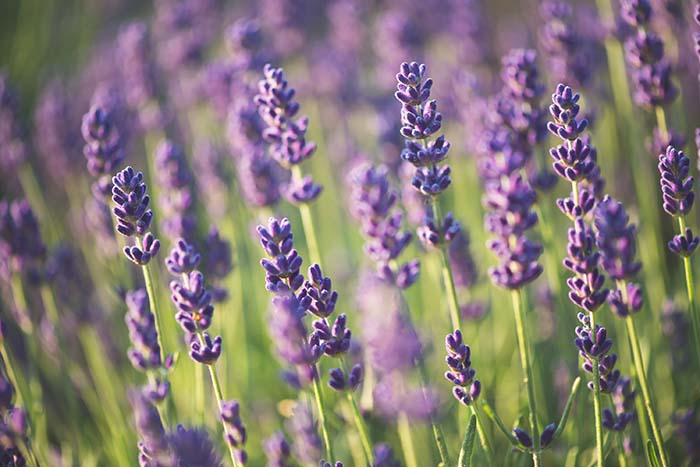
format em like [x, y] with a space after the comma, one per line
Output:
[328, 233]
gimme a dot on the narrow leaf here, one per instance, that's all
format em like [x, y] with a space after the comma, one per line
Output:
[567, 409]
[465, 455]
[497, 420]
[652, 457]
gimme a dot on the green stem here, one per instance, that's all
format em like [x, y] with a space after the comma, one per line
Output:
[359, 421]
[447, 273]
[409, 452]
[219, 397]
[485, 445]
[307, 221]
[153, 303]
[641, 375]
[322, 418]
[596, 402]
[440, 442]
[691, 294]
[661, 121]
[527, 373]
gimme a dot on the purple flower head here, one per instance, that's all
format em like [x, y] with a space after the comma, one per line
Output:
[291, 339]
[461, 374]
[175, 181]
[340, 382]
[586, 287]
[435, 236]
[636, 13]
[676, 182]
[462, 263]
[183, 258]
[20, 238]
[616, 240]
[144, 352]
[564, 110]
[684, 244]
[623, 397]
[335, 339]
[146, 248]
[277, 451]
[594, 347]
[207, 350]
[661, 140]
[277, 107]
[626, 301]
[328, 464]
[193, 446]
[156, 390]
[154, 448]
[303, 190]
[523, 437]
[521, 75]
[131, 203]
[384, 456]
[13, 150]
[218, 262]
[307, 443]
[103, 144]
[235, 431]
[182, 29]
[317, 295]
[547, 435]
[283, 263]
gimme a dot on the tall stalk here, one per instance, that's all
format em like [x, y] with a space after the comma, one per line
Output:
[597, 403]
[689, 283]
[447, 278]
[523, 348]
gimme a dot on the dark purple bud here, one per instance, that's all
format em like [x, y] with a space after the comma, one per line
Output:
[523, 437]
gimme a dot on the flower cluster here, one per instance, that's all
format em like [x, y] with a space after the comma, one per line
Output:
[193, 301]
[644, 52]
[103, 146]
[420, 120]
[594, 347]
[295, 298]
[278, 451]
[145, 350]
[373, 204]
[13, 426]
[287, 137]
[678, 196]
[525, 440]
[131, 209]
[176, 200]
[461, 374]
[623, 397]
[616, 239]
[20, 238]
[13, 149]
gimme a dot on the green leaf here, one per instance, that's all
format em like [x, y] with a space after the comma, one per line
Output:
[567, 409]
[652, 457]
[465, 455]
[497, 420]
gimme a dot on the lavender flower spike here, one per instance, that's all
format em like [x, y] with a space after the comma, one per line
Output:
[467, 389]
[235, 432]
[103, 145]
[284, 263]
[277, 451]
[594, 347]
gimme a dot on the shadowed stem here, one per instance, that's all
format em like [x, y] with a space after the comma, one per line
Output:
[447, 272]
[523, 348]
[153, 303]
[641, 376]
[409, 452]
[691, 294]
[307, 221]
[219, 398]
[359, 421]
[322, 417]
[485, 445]
[596, 402]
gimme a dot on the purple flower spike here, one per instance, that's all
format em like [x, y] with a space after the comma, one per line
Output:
[13, 149]
[335, 339]
[616, 239]
[676, 182]
[373, 204]
[235, 431]
[594, 348]
[154, 448]
[177, 199]
[20, 238]
[103, 145]
[193, 302]
[547, 435]
[384, 456]
[433, 236]
[144, 352]
[284, 263]
[317, 295]
[467, 389]
[419, 121]
[623, 397]
[193, 446]
[586, 287]
[142, 254]
[131, 203]
[277, 451]
[206, 352]
[328, 464]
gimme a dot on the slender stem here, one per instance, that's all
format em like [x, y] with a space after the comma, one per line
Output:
[409, 451]
[691, 294]
[322, 419]
[359, 421]
[596, 402]
[447, 273]
[307, 221]
[661, 121]
[219, 397]
[527, 372]
[485, 445]
[153, 303]
[641, 375]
